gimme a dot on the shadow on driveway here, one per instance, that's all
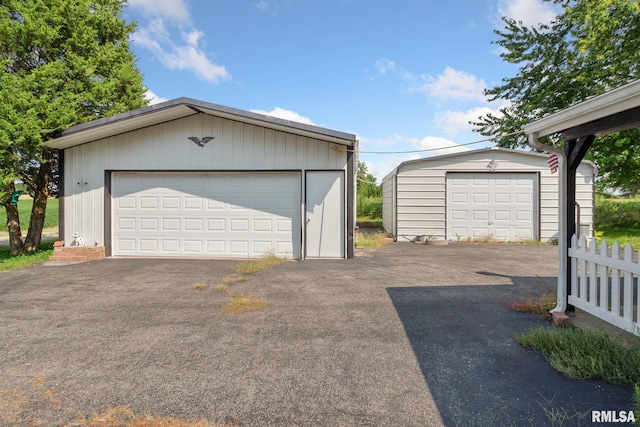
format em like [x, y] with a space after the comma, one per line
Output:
[463, 338]
[413, 336]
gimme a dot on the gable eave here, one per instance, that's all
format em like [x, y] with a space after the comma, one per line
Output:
[180, 108]
[470, 153]
[614, 102]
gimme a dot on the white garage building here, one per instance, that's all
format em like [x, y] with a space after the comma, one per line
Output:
[494, 193]
[187, 178]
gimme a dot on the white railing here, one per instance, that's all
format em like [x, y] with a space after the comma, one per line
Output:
[604, 283]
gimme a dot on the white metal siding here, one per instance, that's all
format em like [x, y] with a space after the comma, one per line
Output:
[237, 147]
[388, 190]
[421, 190]
[235, 215]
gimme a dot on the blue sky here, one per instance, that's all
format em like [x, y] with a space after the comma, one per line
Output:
[404, 75]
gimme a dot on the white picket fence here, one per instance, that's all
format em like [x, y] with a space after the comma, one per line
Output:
[605, 284]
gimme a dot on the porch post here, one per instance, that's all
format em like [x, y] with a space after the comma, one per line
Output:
[575, 150]
[570, 212]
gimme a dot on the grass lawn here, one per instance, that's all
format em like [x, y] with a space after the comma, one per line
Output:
[13, 263]
[621, 235]
[24, 210]
[46, 248]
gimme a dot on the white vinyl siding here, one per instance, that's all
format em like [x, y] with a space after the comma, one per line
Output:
[388, 204]
[421, 190]
[237, 146]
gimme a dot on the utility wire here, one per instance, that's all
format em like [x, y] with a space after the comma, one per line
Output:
[429, 149]
[436, 149]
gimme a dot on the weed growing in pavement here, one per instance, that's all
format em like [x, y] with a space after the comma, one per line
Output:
[560, 416]
[241, 304]
[370, 240]
[255, 265]
[40, 406]
[542, 305]
[200, 286]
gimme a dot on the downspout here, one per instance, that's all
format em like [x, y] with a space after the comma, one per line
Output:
[561, 305]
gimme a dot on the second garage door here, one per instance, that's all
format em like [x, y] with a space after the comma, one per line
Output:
[234, 215]
[502, 206]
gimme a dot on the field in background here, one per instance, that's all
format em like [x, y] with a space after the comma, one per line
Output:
[24, 210]
[618, 219]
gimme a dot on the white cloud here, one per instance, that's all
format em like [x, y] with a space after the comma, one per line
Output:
[400, 149]
[262, 6]
[530, 12]
[153, 98]
[281, 113]
[179, 56]
[454, 122]
[168, 9]
[451, 84]
[436, 146]
[383, 65]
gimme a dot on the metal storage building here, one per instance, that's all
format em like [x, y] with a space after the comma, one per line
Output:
[187, 178]
[494, 193]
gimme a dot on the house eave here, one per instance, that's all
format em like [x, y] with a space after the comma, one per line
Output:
[180, 108]
[617, 101]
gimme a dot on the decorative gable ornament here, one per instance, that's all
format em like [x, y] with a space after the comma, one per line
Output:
[201, 142]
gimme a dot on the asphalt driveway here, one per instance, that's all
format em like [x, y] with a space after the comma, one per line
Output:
[415, 335]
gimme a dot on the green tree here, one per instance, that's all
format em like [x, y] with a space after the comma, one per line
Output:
[591, 47]
[366, 183]
[65, 63]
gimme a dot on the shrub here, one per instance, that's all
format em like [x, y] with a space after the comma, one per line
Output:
[617, 213]
[586, 354]
[369, 207]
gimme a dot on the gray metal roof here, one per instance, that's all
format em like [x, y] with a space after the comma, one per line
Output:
[470, 152]
[183, 107]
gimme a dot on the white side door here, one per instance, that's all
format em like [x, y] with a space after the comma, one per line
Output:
[325, 235]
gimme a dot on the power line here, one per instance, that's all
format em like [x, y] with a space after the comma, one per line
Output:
[439, 148]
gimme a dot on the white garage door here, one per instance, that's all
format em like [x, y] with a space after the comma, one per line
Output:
[234, 215]
[502, 206]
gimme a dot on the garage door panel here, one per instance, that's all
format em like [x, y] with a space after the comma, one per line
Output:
[479, 232]
[126, 203]
[262, 225]
[524, 216]
[500, 205]
[479, 215]
[127, 224]
[147, 245]
[459, 215]
[502, 215]
[148, 202]
[170, 203]
[126, 245]
[204, 214]
[502, 198]
[149, 224]
[501, 233]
